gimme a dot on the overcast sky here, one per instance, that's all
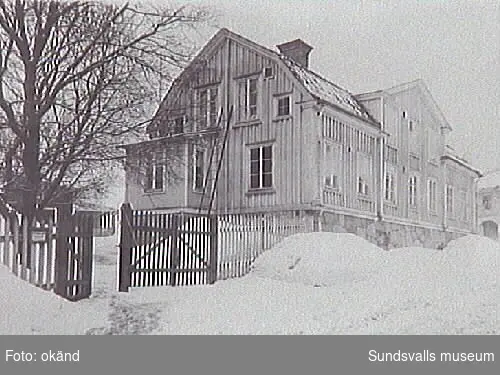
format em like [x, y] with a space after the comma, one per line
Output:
[364, 45]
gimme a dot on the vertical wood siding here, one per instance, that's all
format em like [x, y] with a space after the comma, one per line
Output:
[354, 143]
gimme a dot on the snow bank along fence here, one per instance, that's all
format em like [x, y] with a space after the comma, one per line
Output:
[158, 249]
[54, 253]
[243, 237]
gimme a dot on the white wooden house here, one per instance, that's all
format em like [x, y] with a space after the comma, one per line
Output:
[374, 164]
[489, 205]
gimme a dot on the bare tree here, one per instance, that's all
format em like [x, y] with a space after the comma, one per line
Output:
[77, 78]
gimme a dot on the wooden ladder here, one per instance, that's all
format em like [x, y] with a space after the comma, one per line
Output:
[215, 162]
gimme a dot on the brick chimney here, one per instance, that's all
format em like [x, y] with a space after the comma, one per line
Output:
[297, 50]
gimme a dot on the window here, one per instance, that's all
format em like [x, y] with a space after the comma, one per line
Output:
[414, 162]
[433, 145]
[247, 99]
[432, 195]
[364, 173]
[363, 186]
[154, 174]
[179, 125]
[284, 106]
[391, 154]
[449, 200]
[487, 202]
[207, 107]
[199, 170]
[365, 142]
[331, 181]
[414, 139]
[261, 167]
[462, 204]
[268, 72]
[390, 187]
[173, 126]
[412, 191]
[411, 126]
[332, 165]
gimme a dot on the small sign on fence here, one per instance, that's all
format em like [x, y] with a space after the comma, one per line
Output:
[39, 235]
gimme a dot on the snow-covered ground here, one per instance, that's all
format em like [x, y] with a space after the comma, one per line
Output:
[317, 283]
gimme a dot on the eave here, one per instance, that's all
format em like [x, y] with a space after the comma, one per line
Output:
[463, 163]
[174, 138]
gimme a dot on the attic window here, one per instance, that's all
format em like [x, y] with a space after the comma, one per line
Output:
[284, 106]
[247, 99]
[268, 72]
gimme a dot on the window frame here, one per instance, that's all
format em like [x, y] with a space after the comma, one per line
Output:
[413, 182]
[391, 154]
[261, 172]
[207, 115]
[153, 164]
[487, 202]
[390, 189]
[280, 98]
[464, 211]
[245, 104]
[364, 183]
[432, 199]
[199, 188]
[450, 200]
[332, 168]
[171, 126]
[414, 161]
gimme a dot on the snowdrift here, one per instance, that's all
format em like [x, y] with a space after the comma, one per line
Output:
[26, 309]
[321, 259]
[316, 283]
[327, 259]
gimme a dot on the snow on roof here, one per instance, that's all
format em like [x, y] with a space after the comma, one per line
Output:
[324, 90]
[490, 180]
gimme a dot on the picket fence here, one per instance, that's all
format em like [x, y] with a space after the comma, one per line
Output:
[32, 261]
[55, 252]
[243, 237]
[158, 249]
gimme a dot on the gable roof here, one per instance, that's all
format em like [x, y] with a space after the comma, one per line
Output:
[317, 86]
[418, 84]
[325, 90]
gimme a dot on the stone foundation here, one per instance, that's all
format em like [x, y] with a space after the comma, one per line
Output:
[385, 234]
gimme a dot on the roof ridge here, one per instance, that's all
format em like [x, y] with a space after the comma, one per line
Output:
[315, 73]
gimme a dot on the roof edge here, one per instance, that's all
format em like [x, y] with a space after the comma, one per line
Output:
[463, 163]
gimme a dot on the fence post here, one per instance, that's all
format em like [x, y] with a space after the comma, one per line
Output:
[87, 232]
[214, 236]
[64, 229]
[126, 246]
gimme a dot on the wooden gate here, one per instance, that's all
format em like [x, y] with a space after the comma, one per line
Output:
[74, 253]
[158, 249]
